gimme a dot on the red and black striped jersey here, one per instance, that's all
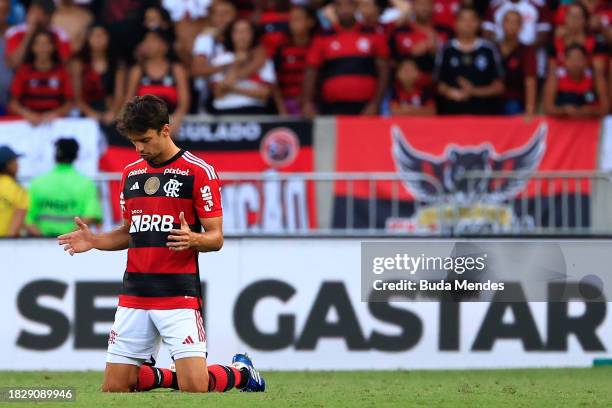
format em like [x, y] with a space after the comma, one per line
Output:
[290, 63]
[346, 60]
[152, 197]
[165, 88]
[41, 91]
[577, 92]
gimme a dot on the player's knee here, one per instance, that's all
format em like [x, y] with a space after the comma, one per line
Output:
[114, 385]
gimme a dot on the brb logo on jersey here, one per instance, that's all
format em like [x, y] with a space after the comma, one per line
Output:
[153, 223]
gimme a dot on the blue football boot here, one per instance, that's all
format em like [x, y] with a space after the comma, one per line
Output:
[256, 383]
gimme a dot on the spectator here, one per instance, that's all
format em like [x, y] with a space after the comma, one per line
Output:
[123, 19]
[469, 71]
[420, 39]
[445, 12]
[369, 12]
[536, 16]
[159, 76]
[350, 63]
[290, 59]
[572, 89]
[62, 194]
[41, 89]
[189, 19]
[520, 66]
[209, 44]
[272, 16]
[574, 31]
[244, 96]
[73, 20]
[13, 197]
[98, 77]
[6, 74]
[410, 98]
[156, 18]
[38, 18]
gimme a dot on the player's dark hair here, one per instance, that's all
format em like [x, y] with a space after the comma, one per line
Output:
[141, 114]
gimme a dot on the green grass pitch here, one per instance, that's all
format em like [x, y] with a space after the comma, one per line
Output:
[589, 387]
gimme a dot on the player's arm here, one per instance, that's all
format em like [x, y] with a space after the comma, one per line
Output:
[209, 240]
[82, 240]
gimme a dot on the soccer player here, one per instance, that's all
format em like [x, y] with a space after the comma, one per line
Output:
[167, 198]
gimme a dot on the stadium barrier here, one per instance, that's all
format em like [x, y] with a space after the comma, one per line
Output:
[481, 203]
[293, 304]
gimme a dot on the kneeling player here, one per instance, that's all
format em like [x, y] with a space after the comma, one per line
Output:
[167, 198]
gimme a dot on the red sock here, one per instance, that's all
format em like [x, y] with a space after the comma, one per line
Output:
[224, 378]
[153, 377]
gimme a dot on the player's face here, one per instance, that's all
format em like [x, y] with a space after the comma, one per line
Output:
[151, 144]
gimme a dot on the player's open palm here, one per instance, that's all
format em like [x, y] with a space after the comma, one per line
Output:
[77, 241]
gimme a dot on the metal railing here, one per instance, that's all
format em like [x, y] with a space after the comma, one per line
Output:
[394, 204]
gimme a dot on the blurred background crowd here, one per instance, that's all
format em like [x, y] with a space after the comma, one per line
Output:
[295, 58]
[306, 57]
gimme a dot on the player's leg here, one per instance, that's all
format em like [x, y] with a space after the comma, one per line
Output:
[133, 339]
[120, 377]
[183, 331]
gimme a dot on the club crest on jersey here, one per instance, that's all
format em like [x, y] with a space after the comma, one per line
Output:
[171, 188]
[151, 185]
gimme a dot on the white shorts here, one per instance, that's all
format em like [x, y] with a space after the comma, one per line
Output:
[137, 334]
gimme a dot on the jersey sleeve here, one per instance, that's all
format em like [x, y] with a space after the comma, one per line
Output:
[207, 193]
[382, 47]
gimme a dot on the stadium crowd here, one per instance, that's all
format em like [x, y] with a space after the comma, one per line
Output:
[296, 58]
[306, 57]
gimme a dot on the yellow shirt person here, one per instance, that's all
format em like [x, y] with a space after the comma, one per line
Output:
[13, 197]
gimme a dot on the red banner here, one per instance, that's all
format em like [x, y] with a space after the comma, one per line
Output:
[437, 155]
[261, 147]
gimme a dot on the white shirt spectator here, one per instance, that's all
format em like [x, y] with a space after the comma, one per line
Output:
[179, 9]
[535, 13]
[205, 44]
[266, 76]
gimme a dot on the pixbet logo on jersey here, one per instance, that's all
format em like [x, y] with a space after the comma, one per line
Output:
[137, 172]
[154, 222]
[177, 171]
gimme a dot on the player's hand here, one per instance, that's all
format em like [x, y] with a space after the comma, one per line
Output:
[77, 241]
[181, 239]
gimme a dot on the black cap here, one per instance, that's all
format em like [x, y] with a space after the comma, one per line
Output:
[6, 155]
[66, 150]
